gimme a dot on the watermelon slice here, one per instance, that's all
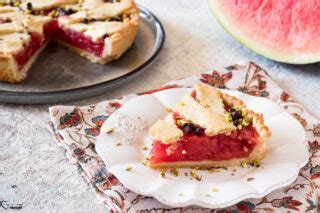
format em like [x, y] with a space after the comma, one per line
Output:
[282, 30]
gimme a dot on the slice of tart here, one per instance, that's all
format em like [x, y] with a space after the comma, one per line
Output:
[206, 129]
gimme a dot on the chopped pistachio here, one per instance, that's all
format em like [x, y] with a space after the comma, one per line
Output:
[109, 130]
[227, 117]
[162, 174]
[168, 109]
[195, 175]
[244, 164]
[128, 168]
[255, 163]
[181, 104]
[213, 170]
[174, 172]
[145, 162]
[186, 174]
[180, 122]
[243, 112]
[246, 122]
[181, 194]
[214, 189]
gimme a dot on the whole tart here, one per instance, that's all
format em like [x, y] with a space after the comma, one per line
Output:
[208, 128]
[99, 30]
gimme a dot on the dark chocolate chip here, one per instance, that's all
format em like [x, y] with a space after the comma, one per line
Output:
[237, 122]
[190, 125]
[231, 110]
[61, 11]
[29, 6]
[236, 115]
[187, 129]
[115, 19]
[85, 21]
[199, 131]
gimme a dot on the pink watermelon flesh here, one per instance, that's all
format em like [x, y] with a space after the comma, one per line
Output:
[283, 30]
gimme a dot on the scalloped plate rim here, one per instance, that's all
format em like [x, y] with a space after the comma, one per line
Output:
[200, 202]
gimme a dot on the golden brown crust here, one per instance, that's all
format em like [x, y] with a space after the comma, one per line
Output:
[118, 43]
[257, 154]
[257, 119]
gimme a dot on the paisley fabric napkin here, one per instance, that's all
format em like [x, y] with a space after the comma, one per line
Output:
[76, 129]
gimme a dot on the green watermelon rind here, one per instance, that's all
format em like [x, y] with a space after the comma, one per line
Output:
[258, 48]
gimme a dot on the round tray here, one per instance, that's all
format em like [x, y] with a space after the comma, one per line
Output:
[58, 75]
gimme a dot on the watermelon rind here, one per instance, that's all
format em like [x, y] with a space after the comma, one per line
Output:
[260, 49]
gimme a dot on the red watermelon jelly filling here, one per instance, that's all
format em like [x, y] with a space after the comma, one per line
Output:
[35, 44]
[195, 145]
[80, 41]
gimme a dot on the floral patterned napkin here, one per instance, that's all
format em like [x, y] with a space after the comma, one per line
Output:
[76, 128]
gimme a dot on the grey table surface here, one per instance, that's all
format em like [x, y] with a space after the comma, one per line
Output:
[34, 171]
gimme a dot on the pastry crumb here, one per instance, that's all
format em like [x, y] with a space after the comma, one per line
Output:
[128, 168]
[118, 144]
[145, 162]
[214, 189]
[168, 109]
[162, 174]
[181, 103]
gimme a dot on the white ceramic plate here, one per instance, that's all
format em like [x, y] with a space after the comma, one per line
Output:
[286, 154]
